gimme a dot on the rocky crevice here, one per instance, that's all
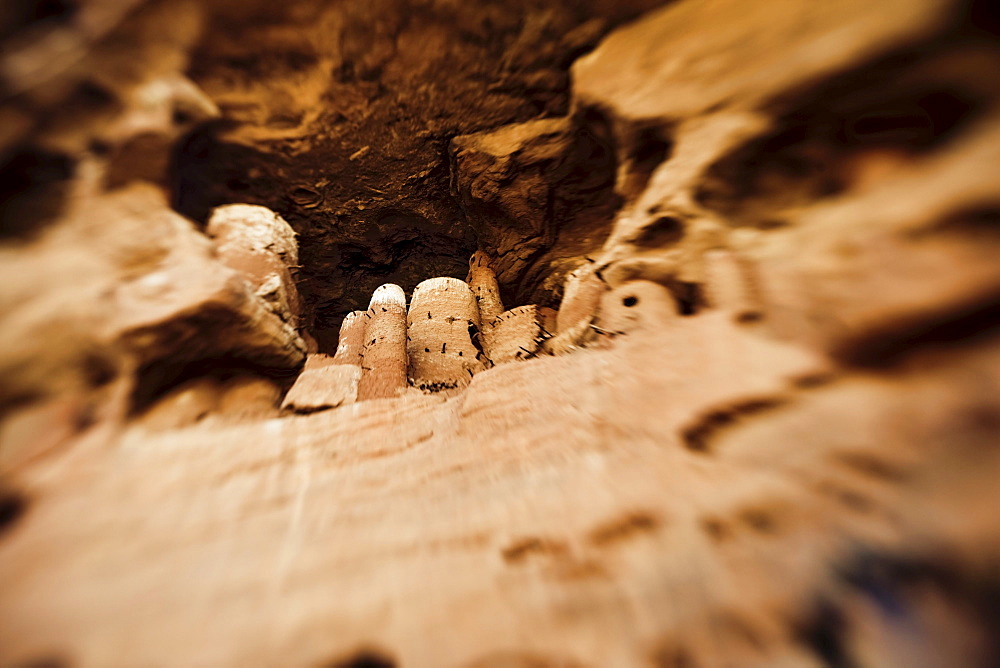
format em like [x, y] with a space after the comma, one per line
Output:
[351, 138]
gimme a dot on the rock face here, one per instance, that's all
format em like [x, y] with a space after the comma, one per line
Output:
[260, 245]
[323, 384]
[219, 401]
[339, 118]
[764, 433]
[95, 90]
[540, 194]
[667, 468]
[731, 283]
[120, 314]
[635, 307]
[174, 284]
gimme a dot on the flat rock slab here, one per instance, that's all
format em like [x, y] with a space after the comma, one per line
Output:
[323, 387]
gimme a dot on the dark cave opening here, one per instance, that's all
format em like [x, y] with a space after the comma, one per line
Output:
[352, 146]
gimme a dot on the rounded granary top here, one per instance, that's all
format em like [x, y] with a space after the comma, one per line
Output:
[390, 293]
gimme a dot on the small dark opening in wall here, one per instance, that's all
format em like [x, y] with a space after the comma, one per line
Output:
[664, 231]
[688, 297]
[892, 126]
[90, 95]
[41, 10]
[947, 110]
[364, 659]
[46, 661]
[99, 147]
[983, 16]
[33, 188]
[749, 317]
[12, 507]
[914, 124]
[27, 13]
[823, 632]
[649, 149]
[595, 124]
[98, 370]
[181, 117]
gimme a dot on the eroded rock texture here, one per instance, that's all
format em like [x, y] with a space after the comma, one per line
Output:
[101, 319]
[262, 247]
[765, 434]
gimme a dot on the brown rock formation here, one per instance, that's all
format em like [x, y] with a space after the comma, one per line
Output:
[767, 436]
[636, 306]
[574, 320]
[95, 311]
[182, 406]
[231, 400]
[730, 284]
[323, 384]
[256, 242]
[339, 118]
[540, 194]
[93, 84]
